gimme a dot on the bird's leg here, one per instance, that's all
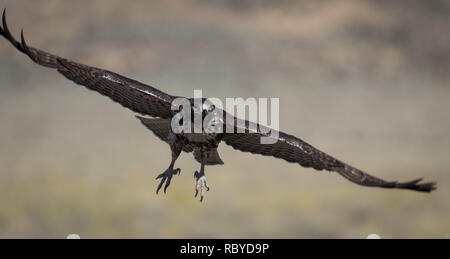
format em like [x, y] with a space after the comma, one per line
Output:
[167, 175]
[201, 183]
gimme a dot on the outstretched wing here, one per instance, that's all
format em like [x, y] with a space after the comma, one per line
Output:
[295, 150]
[136, 96]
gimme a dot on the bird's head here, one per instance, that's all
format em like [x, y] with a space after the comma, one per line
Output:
[203, 108]
[209, 113]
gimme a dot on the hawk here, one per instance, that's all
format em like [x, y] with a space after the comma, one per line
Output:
[157, 106]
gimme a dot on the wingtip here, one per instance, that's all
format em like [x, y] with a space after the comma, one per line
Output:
[22, 38]
[4, 29]
[431, 186]
[417, 186]
[24, 45]
[4, 19]
[7, 34]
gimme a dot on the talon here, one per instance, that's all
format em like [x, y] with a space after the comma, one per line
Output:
[167, 183]
[201, 185]
[160, 185]
[166, 177]
[202, 194]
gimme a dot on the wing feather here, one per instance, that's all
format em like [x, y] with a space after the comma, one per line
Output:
[136, 96]
[295, 150]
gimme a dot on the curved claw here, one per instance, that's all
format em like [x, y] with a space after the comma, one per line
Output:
[161, 183]
[169, 179]
[166, 178]
[201, 185]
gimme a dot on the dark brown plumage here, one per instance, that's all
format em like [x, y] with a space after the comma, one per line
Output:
[146, 100]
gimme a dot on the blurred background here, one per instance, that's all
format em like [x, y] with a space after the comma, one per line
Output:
[365, 81]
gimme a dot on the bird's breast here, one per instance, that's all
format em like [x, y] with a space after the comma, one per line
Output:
[200, 138]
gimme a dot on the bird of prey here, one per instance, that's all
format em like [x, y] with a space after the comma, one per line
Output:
[157, 106]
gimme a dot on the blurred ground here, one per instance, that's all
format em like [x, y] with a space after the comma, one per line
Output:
[366, 81]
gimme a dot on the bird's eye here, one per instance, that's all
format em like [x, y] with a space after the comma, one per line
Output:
[211, 108]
